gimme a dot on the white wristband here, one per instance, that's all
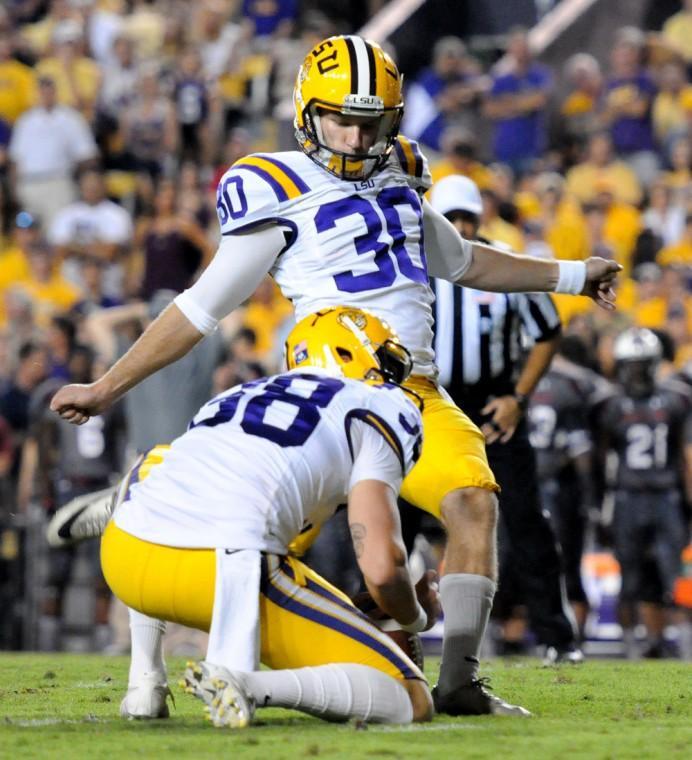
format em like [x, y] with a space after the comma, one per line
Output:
[571, 277]
[419, 623]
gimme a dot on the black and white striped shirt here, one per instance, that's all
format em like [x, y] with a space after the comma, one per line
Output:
[478, 336]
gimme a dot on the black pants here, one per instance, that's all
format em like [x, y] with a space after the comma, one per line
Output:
[531, 570]
[561, 499]
[61, 561]
[649, 533]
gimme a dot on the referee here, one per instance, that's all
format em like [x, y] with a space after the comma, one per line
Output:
[478, 344]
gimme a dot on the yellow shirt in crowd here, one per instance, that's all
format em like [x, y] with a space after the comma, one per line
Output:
[577, 104]
[17, 90]
[583, 181]
[503, 232]
[678, 31]
[679, 253]
[86, 78]
[14, 267]
[264, 319]
[566, 233]
[39, 34]
[678, 179]
[14, 270]
[650, 312]
[528, 205]
[147, 28]
[569, 307]
[622, 227]
[670, 111]
[477, 172]
[50, 298]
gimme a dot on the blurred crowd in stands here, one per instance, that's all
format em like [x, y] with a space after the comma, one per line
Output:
[118, 117]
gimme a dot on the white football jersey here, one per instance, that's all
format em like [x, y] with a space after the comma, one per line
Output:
[266, 460]
[353, 243]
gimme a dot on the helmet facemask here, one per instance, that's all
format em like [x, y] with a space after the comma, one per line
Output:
[349, 166]
[395, 362]
[637, 376]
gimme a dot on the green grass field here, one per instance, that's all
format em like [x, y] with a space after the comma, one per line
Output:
[67, 706]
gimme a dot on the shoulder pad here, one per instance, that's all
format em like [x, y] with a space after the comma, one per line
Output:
[413, 163]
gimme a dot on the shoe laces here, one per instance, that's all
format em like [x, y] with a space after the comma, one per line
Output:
[90, 526]
[482, 683]
[93, 521]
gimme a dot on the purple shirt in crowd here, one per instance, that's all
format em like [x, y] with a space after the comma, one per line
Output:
[267, 23]
[630, 133]
[520, 137]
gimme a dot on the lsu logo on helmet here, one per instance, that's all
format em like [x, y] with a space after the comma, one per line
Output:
[357, 317]
[353, 77]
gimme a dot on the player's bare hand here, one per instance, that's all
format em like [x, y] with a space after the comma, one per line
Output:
[427, 591]
[505, 415]
[600, 278]
[76, 403]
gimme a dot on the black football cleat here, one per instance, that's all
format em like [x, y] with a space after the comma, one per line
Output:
[474, 699]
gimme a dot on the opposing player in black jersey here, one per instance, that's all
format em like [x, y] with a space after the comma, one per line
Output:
[561, 434]
[648, 426]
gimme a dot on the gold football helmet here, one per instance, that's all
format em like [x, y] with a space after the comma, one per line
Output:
[354, 77]
[349, 342]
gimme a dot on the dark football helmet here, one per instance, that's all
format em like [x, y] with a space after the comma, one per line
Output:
[637, 353]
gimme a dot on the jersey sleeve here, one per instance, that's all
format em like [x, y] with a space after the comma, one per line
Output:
[449, 255]
[398, 439]
[373, 457]
[232, 276]
[256, 192]
[244, 200]
[408, 157]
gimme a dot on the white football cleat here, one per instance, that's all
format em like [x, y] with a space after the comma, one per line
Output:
[569, 656]
[146, 698]
[227, 704]
[82, 517]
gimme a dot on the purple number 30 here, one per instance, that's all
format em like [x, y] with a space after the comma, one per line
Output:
[230, 199]
[369, 242]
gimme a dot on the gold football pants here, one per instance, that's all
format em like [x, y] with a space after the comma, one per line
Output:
[453, 454]
[304, 620]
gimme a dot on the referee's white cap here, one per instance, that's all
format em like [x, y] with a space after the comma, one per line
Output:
[456, 193]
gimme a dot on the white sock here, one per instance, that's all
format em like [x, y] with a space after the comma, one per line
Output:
[147, 645]
[234, 634]
[333, 692]
[466, 602]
